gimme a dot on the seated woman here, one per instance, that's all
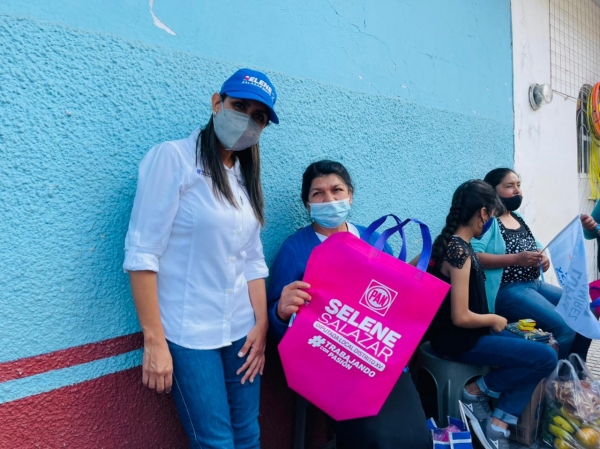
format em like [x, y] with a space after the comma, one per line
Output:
[464, 330]
[590, 224]
[511, 257]
[327, 193]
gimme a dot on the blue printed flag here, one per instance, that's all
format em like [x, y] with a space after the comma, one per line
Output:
[567, 251]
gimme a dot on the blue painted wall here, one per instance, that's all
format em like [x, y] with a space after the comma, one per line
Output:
[414, 97]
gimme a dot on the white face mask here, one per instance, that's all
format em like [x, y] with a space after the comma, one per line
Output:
[235, 130]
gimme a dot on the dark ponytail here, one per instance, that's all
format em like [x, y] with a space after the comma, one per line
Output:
[452, 223]
[467, 200]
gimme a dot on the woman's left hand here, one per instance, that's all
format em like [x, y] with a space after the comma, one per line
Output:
[255, 343]
[545, 263]
[588, 222]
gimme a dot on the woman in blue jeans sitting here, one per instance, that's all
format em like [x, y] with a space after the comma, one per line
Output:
[512, 260]
[465, 331]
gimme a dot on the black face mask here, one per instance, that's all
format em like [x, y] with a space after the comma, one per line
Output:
[512, 203]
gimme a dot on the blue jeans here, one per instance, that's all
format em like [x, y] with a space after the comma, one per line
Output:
[536, 300]
[216, 410]
[519, 366]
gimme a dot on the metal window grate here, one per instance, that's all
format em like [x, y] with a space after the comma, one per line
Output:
[574, 45]
[584, 139]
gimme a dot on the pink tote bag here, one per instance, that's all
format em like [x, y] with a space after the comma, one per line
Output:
[595, 295]
[346, 350]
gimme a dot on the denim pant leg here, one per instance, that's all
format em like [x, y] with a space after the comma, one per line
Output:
[536, 300]
[201, 397]
[243, 399]
[520, 365]
[551, 292]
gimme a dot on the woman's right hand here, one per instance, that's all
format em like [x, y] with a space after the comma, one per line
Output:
[292, 297]
[528, 258]
[498, 323]
[157, 366]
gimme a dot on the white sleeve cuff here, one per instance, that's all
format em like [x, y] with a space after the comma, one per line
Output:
[135, 261]
[256, 269]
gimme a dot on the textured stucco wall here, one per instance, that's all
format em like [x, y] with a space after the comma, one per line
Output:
[414, 99]
[451, 55]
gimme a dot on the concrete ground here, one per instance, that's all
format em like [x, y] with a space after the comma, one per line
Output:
[593, 358]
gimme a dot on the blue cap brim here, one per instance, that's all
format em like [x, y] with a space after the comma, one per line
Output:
[250, 96]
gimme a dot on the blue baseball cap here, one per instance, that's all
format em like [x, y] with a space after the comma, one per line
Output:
[252, 85]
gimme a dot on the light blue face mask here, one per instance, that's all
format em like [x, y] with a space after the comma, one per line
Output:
[332, 214]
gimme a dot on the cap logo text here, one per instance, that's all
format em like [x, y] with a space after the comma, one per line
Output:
[258, 83]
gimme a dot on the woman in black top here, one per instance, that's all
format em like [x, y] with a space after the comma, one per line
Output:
[459, 252]
[512, 260]
[464, 331]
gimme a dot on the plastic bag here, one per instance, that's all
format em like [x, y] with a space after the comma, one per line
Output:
[572, 418]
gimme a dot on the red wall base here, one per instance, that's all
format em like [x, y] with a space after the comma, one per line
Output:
[112, 411]
[117, 411]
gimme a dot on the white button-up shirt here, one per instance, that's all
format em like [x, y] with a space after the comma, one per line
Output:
[204, 249]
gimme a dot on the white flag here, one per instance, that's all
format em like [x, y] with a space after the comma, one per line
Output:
[567, 250]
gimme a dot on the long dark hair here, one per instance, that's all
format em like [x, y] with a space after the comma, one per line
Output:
[467, 200]
[495, 177]
[209, 156]
[324, 168]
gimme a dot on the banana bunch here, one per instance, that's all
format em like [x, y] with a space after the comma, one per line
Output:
[562, 444]
[565, 431]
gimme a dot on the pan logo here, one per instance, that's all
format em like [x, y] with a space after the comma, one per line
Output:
[378, 297]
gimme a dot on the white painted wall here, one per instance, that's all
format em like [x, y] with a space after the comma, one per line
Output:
[546, 139]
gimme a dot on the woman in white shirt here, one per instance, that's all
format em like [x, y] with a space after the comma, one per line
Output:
[197, 268]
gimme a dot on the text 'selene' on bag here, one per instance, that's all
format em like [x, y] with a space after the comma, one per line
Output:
[369, 311]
